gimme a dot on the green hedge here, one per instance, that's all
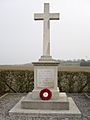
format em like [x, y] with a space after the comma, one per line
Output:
[16, 81]
[23, 81]
[74, 81]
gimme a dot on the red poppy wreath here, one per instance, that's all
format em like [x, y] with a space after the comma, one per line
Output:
[45, 94]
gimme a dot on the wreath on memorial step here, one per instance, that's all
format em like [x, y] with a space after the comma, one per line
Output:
[45, 94]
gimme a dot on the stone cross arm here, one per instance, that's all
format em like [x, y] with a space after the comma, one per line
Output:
[39, 16]
[54, 16]
[51, 16]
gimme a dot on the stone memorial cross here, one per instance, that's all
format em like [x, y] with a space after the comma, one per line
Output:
[46, 16]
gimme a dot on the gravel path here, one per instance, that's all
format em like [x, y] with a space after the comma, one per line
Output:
[8, 101]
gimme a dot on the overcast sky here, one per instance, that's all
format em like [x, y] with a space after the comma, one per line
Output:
[21, 38]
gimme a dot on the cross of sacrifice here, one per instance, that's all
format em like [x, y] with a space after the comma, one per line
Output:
[46, 17]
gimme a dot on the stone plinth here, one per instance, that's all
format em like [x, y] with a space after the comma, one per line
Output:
[58, 104]
[45, 76]
[55, 94]
[18, 113]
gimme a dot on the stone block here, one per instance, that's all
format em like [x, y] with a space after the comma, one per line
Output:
[58, 104]
[17, 113]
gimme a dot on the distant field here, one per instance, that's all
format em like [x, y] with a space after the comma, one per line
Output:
[16, 67]
[74, 68]
[30, 67]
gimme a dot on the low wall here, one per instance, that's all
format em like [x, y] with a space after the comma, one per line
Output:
[23, 81]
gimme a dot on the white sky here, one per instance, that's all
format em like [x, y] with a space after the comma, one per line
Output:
[21, 38]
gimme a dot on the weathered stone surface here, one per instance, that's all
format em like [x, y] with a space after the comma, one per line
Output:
[73, 113]
[46, 16]
[45, 76]
[60, 103]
